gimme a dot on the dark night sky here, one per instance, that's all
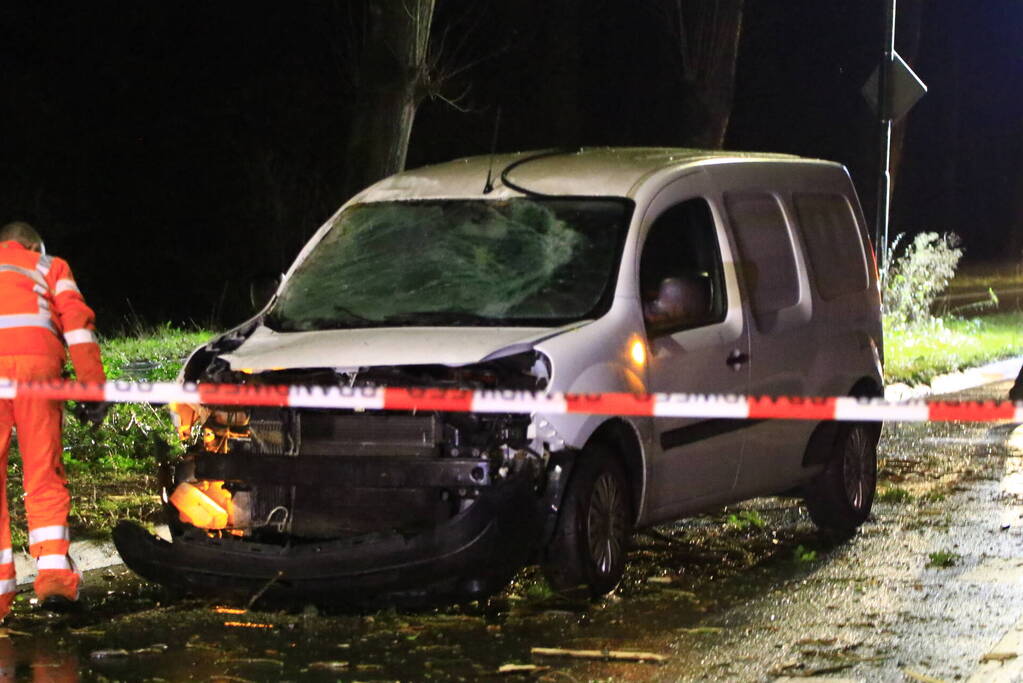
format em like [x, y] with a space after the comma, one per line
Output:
[172, 151]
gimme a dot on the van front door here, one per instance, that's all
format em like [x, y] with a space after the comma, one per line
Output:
[698, 344]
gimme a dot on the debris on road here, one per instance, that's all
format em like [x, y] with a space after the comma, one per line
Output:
[328, 666]
[817, 641]
[103, 655]
[7, 633]
[999, 656]
[616, 655]
[251, 661]
[923, 678]
[521, 668]
[246, 624]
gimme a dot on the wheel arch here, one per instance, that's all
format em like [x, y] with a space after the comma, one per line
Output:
[866, 387]
[819, 447]
[622, 436]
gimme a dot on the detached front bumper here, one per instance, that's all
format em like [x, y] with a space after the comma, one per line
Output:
[472, 555]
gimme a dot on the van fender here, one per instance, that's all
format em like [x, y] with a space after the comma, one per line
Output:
[575, 430]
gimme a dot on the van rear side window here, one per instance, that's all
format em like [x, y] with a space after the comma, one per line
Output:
[834, 243]
[767, 263]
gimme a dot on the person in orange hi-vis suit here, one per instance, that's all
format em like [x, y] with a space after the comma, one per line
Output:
[41, 311]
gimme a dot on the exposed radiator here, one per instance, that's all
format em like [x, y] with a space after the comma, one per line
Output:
[284, 432]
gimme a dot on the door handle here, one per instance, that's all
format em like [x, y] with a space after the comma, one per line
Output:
[736, 359]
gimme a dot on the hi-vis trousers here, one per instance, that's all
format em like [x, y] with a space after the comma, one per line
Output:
[47, 501]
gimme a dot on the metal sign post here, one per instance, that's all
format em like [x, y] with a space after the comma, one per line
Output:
[884, 180]
[892, 90]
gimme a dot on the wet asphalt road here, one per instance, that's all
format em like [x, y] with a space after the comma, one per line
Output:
[928, 589]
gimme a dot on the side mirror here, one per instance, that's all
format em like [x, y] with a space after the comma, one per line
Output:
[261, 288]
[681, 302]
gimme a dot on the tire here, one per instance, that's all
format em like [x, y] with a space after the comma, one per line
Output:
[592, 534]
[839, 498]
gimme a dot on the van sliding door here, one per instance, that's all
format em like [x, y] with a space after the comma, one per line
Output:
[773, 275]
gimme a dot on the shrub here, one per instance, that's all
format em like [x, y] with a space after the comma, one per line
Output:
[913, 279]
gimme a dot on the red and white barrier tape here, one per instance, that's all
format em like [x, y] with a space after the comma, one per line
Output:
[517, 401]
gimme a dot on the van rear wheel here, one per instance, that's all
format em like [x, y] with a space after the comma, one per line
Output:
[594, 527]
[840, 497]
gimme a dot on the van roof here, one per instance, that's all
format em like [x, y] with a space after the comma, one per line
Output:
[598, 171]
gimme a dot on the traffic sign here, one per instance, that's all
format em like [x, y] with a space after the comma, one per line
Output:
[904, 89]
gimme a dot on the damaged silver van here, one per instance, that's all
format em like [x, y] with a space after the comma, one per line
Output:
[600, 270]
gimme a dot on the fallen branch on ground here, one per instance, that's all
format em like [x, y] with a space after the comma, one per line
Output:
[615, 655]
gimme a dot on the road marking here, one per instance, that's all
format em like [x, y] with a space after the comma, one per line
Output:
[1002, 663]
[996, 570]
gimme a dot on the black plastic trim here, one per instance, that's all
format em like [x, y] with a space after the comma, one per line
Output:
[706, 429]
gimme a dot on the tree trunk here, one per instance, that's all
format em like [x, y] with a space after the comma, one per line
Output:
[716, 83]
[391, 79]
[706, 36]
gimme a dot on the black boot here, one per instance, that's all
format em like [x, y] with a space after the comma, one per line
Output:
[60, 604]
[1016, 392]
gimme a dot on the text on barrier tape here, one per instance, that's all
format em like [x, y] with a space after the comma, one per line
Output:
[842, 408]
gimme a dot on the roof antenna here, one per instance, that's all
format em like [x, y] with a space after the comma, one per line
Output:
[488, 187]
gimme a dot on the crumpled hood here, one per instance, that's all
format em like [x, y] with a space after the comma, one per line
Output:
[454, 346]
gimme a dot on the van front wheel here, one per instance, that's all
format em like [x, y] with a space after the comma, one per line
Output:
[591, 538]
[839, 498]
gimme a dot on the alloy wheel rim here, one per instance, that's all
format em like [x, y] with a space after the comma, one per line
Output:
[857, 469]
[606, 522]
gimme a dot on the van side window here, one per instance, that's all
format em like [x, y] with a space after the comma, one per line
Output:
[834, 243]
[766, 259]
[680, 274]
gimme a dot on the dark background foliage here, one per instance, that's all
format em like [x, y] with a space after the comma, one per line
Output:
[175, 151]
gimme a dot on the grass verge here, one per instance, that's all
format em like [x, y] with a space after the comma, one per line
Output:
[918, 354]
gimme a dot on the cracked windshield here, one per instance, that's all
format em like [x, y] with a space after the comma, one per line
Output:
[458, 262]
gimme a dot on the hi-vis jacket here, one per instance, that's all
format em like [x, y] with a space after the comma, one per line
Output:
[41, 310]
